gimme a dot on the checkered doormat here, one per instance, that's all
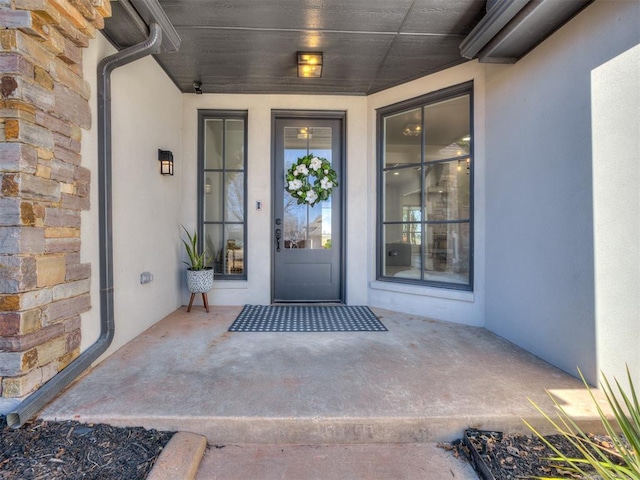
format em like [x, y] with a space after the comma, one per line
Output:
[306, 318]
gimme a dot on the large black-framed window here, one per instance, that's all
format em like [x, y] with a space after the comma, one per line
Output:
[425, 190]
[222, 190]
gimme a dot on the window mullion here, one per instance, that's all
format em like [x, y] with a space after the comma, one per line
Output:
[423, 197]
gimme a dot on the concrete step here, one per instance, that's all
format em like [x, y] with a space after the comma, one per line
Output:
[334, 430]
[333, 462]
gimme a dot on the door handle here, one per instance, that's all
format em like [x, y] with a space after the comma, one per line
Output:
[278, 237]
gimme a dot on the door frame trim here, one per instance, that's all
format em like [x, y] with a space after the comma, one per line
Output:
[319, 115]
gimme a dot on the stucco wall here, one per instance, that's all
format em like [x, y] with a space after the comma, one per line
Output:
[542, 144]
[256, 289]
[438, 303]
[146, 108]
[615, 96]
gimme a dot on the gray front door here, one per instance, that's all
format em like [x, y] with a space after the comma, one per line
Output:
[307, 241]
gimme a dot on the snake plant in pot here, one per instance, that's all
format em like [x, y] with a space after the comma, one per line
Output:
[199, 274]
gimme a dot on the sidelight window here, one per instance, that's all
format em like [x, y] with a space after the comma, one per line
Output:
[425, 190]
[222, 187]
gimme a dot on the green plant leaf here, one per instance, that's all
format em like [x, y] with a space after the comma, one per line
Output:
[197, 260]
[625, 451]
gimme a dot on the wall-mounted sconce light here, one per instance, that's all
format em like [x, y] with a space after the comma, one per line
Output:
[166, 162]
[309, 64]
[197, 87]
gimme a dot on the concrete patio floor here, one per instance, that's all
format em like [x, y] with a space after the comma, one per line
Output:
[422, 381]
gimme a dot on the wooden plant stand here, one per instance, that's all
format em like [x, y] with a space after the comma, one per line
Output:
[204, 300]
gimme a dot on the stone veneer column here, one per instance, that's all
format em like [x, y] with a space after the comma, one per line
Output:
[44, 287]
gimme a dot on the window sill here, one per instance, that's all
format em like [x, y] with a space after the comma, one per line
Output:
[448, 294]
[230, 285]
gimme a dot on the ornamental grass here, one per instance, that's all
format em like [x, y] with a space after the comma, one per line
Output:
[618, 458]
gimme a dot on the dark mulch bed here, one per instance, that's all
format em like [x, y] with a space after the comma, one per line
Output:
[512, 457]
[71, 451]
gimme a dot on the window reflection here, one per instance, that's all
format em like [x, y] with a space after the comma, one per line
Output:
[306, 227]
[426, 190]
[224, 194]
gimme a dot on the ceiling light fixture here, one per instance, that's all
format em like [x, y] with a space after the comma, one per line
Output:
[197, 87]
[309, 64]
[412, 130]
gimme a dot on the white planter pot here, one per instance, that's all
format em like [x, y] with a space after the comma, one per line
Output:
[200, 281]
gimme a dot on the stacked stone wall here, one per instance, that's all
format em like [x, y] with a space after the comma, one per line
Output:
[44, 106]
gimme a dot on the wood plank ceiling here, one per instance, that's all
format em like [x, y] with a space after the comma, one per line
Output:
[249, 46]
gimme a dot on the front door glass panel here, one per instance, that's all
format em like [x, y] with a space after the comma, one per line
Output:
[306, 227]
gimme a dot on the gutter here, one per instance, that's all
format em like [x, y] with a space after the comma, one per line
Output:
[512, 28]
[133, 15]
[158, 25]
[495, 20]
